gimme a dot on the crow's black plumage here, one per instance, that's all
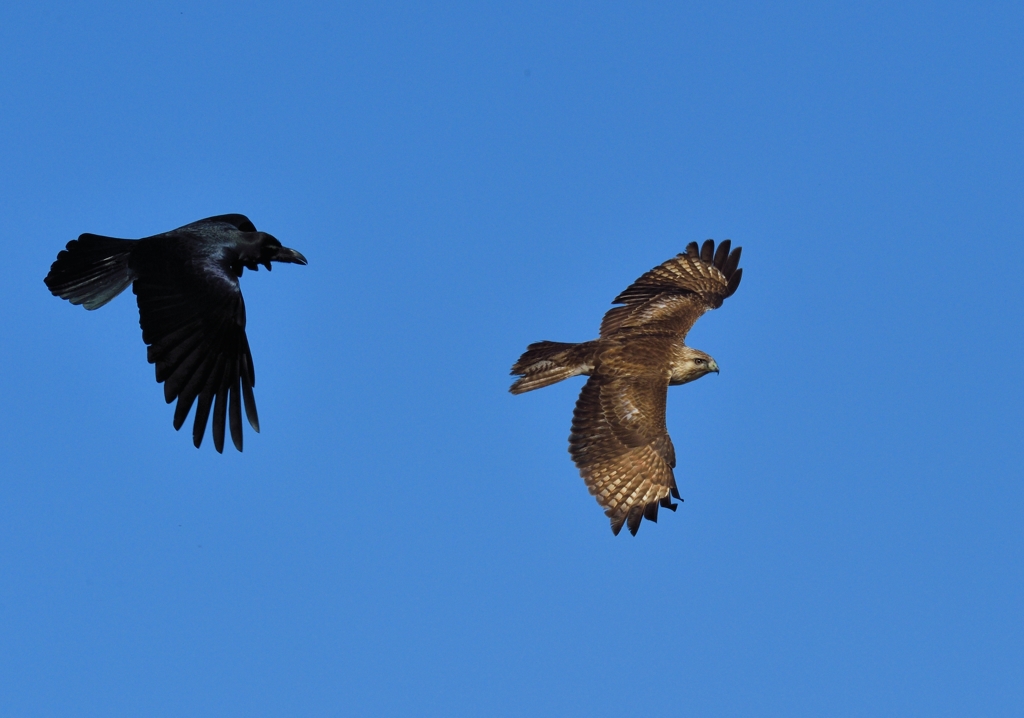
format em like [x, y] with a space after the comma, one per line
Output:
[190, 309]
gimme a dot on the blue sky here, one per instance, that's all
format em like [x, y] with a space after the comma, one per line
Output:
[405, 538]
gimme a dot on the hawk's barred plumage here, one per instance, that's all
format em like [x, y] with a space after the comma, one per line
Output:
[619, 440]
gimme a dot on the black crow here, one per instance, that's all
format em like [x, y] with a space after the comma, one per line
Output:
[190, 308]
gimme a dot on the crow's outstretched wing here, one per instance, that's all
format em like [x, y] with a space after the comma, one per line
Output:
[195, 330]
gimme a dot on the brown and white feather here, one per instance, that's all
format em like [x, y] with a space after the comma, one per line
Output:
[673, 296]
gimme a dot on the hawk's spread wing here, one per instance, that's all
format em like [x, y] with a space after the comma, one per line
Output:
[621, 446]
[674, 295]
[196, 337]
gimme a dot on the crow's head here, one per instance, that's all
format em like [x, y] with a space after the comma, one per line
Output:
[246, 247]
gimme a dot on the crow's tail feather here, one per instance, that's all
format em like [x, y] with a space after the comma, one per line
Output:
[92, 270]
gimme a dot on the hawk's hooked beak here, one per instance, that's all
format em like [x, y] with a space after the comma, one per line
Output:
[713, 366]
[290, 256]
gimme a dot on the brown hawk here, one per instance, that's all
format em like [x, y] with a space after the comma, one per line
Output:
[619, 440]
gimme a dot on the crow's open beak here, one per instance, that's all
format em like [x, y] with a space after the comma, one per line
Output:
[289, 255]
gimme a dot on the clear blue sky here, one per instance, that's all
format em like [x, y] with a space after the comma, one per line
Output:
[405, 538]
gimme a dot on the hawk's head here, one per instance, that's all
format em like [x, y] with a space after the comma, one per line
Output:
[690, 364]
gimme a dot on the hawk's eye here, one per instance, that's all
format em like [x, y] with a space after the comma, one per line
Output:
[698, 361]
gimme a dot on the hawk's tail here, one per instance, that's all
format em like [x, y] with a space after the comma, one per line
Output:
[92, 270]
[545, 363]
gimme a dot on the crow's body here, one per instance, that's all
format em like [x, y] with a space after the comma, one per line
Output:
[190, 309]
